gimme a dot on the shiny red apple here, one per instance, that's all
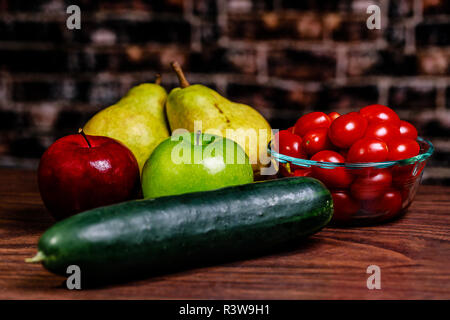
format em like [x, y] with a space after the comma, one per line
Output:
[80, 172]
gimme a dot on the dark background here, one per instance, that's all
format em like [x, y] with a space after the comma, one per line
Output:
[283, 57]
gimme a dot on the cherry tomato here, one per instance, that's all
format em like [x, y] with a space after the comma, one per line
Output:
[290, 170]
[306, 172]
[405, 192]
[344, 153]
[316, 140]
[405, 176]
[371, 185]
[344, 206]
[402, 148]
[387, 205]
[407, 130]
[346, 129]
[291, 129]
[385, 131]
[309, 121]
[333, 115]
[289, 144]
[378, 113]
[368, 150]
[332, 178]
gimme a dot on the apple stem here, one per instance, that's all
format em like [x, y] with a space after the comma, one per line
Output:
[197, 137]
[158, 79]
[177, 68]
[80, 131]
[37, 258]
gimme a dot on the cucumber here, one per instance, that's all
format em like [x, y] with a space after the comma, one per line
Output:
[176, 232]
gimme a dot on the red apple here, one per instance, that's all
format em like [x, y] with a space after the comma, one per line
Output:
[80, 172]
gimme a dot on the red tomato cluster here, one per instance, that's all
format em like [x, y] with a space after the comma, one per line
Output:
[374, 134]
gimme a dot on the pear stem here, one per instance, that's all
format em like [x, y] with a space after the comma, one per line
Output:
[197, 138]
[80, 131]
[177, 68]
[158, 79]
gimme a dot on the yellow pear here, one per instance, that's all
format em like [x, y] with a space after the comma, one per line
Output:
[191, 106]
[137, 120]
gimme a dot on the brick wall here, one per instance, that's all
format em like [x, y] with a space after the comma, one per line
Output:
[283, 57]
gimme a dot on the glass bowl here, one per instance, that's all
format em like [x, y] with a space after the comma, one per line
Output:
[363, 193]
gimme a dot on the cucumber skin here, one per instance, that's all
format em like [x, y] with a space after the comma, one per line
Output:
[158, 235]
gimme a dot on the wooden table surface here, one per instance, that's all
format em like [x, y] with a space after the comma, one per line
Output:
[413, 254]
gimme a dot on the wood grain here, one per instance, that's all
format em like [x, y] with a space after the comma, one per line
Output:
[413, 254]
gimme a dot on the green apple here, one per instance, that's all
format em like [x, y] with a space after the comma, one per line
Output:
[191, 162]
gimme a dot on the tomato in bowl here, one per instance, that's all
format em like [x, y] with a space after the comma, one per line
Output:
[372, 164]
